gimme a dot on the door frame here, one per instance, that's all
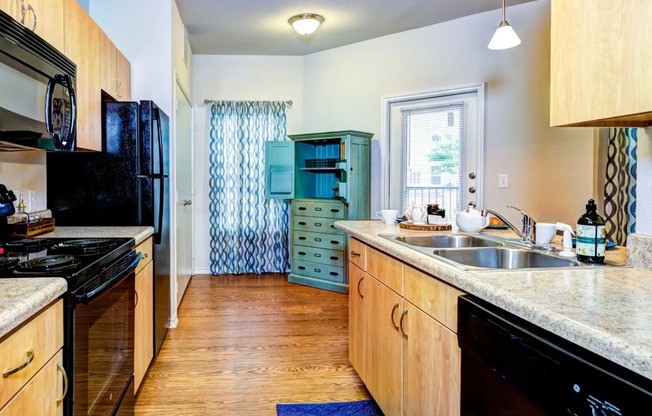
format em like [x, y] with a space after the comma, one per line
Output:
[386, 128]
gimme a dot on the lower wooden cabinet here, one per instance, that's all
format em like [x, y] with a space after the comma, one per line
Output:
[34, 381]
[144, 314]
[403, 342]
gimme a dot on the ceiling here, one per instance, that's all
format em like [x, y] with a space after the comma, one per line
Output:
[260, 27]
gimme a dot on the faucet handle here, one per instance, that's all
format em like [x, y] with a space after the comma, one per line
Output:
[528, 224]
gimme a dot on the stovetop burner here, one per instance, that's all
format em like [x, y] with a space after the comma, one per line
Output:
[28, 245]
[7, 264]
[55, 263]
[86, 246]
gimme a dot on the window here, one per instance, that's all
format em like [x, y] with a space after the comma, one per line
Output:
[433, 142]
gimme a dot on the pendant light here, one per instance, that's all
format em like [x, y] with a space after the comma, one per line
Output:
[306, 23]
[505, 37]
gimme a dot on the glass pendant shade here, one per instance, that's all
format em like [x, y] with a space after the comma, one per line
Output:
[504, 38]
[307, 23]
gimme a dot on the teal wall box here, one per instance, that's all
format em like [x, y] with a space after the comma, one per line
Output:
[327, 175]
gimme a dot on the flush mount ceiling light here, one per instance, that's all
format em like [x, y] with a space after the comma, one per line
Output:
[306, 23]
[505, 37]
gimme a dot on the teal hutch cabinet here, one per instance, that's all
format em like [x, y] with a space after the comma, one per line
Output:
[327, 177]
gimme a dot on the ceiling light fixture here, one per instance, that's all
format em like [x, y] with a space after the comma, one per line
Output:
[505, 37]
[306, 23]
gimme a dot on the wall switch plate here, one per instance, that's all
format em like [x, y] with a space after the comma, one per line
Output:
[503, 180]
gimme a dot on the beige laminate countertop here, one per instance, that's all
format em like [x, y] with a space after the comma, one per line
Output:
[22, 298]
[607, 310]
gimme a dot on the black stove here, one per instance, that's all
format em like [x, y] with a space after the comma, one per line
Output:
[76, 260]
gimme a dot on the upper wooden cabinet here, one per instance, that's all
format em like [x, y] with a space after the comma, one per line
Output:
[83, 46]
[601, 63]
[44, 17]
[116, 71]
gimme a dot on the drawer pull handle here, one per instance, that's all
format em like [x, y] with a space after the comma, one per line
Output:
[405, 311]
[65, 383]
[334, 258]
[355, 253]
[335, 242]
[317, 270]
[302, 238]
[302, 208]
[302, 223]
[317, 255]
[318, 224]
[28, 360]
[334, 274]
[318, 240]
[359, 283]
[392, 316]
[335, 210]
[301, 268]
[317, 209]
[302, 253]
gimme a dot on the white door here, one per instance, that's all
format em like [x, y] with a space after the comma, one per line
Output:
[184, 188]
[434, 149]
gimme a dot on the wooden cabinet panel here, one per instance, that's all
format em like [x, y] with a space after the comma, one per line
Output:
[41, 394]
[34, 343]
[116, 71]
[82, 44]
[144, 314]
[123, 69]
[45, 16]
[432, 365]
[386, 269]
[436, 298]
[601, 63]
[357, 320]
[384, 365]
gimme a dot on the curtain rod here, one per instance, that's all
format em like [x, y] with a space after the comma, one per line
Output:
[208, 101]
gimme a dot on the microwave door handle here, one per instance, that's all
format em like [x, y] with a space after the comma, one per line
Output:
[48, 106]
[73, 109]
[67, 142]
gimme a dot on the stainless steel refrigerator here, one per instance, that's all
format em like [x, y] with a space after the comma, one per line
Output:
[124, 185]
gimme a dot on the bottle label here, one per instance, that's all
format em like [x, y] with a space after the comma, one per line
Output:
[591, 240]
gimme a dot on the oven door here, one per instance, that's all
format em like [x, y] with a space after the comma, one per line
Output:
[103, 351]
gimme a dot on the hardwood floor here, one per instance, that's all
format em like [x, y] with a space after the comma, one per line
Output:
[247, 342]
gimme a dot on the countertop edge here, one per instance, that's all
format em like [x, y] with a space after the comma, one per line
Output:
[605, 344]
[20, 299]
[138, 233]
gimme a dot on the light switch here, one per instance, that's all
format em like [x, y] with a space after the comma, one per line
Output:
[503, 180]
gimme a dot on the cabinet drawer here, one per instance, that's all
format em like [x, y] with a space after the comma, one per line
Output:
[43, 336]
[147, 249]
[316, 208]
[358, 253]
[331, 241]
[318, 255]
[386, 269]
[434, 297]
[319, 271]
[315, 225]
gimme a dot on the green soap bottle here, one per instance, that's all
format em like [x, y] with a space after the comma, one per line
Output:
[591, 240]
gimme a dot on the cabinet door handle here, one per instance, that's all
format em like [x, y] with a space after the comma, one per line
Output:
[359, 283]
[29, 7]
[302, 208]
[334, 273]
[355, 253]
[317, 239]
[317, 255]
[336, 243]
[317, 209]
[334, 258]
[317, 270]
[301, 253]
[65, 383]
[22, 12]
[405, 311]
[302, 238]
[335, 210]
[318, 224]
[302, 223]
[29, 357]
[301, 267]
[394, 310]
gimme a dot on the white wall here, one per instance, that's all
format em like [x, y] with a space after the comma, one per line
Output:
[238, 78]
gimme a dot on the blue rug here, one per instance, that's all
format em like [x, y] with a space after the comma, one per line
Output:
[360, 408]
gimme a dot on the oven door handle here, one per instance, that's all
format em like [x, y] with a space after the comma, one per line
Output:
[86, 298]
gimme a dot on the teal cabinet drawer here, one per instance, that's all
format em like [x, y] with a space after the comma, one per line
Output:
[330, 241]
[318, 255]
[319, 271]
[315, 225]
[318, 208]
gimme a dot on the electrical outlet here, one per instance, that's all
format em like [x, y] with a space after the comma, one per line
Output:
[31, 201]
[503, 180]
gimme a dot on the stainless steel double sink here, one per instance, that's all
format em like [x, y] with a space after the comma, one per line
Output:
[486, 252]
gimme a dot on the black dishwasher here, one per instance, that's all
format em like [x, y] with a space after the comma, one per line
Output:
[511, 367]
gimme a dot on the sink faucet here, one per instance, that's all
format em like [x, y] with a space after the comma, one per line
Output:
[526, 233]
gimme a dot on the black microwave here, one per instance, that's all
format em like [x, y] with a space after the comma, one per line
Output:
[37, 92]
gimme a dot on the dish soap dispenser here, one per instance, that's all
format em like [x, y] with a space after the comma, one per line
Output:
[590, 232]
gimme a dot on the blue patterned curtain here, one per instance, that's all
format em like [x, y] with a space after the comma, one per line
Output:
[249, 234]
[620, 185]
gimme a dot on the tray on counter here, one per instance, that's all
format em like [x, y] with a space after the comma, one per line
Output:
[33, 228]
[425, 227]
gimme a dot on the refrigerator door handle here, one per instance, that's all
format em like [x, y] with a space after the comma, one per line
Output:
[158, 232]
